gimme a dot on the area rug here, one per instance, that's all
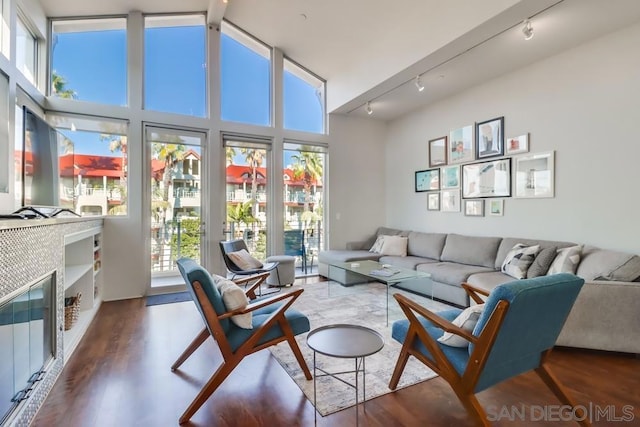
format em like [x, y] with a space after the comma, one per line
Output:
[330, 303]
[168, 298]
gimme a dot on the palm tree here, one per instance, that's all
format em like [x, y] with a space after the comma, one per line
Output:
[171, 154]
[230, 153]
[254, 158]
[58, 87]
[307, 168]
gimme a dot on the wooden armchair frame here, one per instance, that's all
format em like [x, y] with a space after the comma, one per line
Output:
[464, 385]
[251, 345]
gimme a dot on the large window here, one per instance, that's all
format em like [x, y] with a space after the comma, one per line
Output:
[303, 99]
[245, 78]
[175, 64]
[89, 60]
[97, 178]
[26, 50]
[5, 40]
[303, 176]
[247, 195]
[176, 184]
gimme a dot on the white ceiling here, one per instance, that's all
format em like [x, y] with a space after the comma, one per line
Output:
[372, 49]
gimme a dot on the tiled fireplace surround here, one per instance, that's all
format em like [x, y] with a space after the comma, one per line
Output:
[30, 249]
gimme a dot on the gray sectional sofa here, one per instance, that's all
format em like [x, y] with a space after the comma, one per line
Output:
[606, 315]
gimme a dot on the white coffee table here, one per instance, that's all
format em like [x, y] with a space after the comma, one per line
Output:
[344, 341]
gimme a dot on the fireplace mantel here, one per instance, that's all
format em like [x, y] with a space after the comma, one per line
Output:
[30, 249]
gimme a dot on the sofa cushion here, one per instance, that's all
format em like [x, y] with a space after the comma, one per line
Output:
[383, 231]
[566, 261]
[377, 245]
[394, 245]
[339, 256]
[488, 280]
[471, 250]
[409, 262]
[519, 259]
[509, 242]
[450, 273]
[541, 264]
[602, 264]
[426, 245]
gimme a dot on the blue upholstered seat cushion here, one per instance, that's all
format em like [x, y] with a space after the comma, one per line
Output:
[458, 356]
[298, 321]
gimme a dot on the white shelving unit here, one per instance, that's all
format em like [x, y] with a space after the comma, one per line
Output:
[82, 275]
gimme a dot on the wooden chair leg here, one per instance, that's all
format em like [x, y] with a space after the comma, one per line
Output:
[561, 393]
[214, 382]
[291, 339]
[474, 409]
[400, 365]
[197, 342]
[296, 352]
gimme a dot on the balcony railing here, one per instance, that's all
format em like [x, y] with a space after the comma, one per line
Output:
[174, 239]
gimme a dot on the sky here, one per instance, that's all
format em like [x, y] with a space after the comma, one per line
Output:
[94, 66]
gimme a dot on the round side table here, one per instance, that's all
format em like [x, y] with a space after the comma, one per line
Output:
[346, 342]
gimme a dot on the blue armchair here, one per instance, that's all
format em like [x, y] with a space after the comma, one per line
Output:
[514, 334]
[273, 321]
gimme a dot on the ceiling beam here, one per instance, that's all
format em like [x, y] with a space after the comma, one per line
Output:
[215, 11]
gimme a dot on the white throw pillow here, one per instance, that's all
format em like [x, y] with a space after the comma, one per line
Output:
[243, 260]
[394, 246]
[566, 261]
[466, 320]
[519, 259]
[234, 297]
[377, 246]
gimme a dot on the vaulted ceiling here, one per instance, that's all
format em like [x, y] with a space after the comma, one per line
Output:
[372, 50]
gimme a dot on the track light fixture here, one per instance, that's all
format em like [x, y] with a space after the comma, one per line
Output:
[369, 109]
[527, 30]
[419, 84]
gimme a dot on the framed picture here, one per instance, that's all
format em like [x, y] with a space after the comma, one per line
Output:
[474, 207]
[450, 201]
[450, 177]
[428, 180]
[433, 201]
[490, 138]
[460, 145]
[519, 144]
[438, 152]
[486, 179]
[534, 175]
[496, 207]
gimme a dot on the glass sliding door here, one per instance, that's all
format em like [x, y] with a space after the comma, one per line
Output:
[246, 192]
[175, 194]
[303, 203]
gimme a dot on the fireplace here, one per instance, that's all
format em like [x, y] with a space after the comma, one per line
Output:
[27, 341]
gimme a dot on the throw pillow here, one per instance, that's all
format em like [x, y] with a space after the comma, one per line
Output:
[566, 260]
[394, 246]
[377, 246]
[234, 297]
[518, 260]
[243, 260]
[466, 320]
[542, 262]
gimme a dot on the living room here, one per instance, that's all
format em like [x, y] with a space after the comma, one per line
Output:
[575, 101]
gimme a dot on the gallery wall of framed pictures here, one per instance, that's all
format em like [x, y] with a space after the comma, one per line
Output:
[477, 162]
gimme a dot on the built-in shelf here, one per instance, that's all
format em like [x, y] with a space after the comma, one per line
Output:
[72, 336]
[82, 266]
[73, 273]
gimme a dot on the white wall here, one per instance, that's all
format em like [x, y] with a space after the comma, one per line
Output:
[582, 103]
[356, 184]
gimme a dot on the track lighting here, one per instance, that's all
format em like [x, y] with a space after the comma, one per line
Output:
[419, 84]
[369, 109]
[527, 30]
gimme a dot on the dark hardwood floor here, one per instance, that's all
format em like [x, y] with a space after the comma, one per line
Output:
[120, 376]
